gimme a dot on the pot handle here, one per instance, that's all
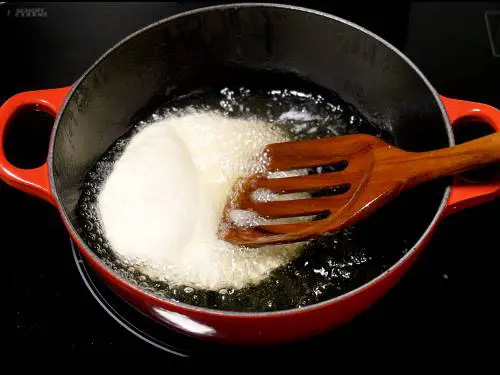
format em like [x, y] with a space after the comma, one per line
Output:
[465, 194]
[34, 181]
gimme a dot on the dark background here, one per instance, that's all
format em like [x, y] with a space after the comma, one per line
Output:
[445, 307]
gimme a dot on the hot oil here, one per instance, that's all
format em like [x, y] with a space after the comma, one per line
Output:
[327, 267]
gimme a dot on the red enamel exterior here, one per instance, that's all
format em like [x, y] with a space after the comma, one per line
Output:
[465, 195]
[233, 327]
[32, 181]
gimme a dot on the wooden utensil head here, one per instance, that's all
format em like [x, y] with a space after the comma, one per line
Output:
[343, 184]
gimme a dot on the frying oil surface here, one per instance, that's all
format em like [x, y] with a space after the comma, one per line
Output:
[325, 268]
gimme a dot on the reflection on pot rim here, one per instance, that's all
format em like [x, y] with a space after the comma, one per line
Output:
[183, 322]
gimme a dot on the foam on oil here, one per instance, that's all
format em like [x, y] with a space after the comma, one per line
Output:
[162, 204]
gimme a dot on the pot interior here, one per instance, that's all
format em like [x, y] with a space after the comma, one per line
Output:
[264, 48]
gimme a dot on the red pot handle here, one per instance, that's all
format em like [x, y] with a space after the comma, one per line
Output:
[32, 181]
[465, 194]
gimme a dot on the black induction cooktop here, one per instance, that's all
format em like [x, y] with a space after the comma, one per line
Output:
[446, 304]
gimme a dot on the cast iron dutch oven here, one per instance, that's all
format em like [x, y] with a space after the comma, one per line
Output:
[196, 47]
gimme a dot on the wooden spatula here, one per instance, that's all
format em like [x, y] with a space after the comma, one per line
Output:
[376, 172]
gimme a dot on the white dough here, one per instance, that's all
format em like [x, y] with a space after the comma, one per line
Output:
[162, 203]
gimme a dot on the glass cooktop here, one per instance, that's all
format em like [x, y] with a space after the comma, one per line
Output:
[56, 304]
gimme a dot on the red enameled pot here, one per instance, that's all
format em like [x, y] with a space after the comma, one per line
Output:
[195, 48]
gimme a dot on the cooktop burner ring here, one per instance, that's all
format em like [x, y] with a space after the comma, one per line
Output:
[108, 301]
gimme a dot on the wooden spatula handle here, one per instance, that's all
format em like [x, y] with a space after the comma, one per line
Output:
[425, 166]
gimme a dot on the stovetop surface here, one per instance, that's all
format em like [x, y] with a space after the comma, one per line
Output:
[445, 304]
